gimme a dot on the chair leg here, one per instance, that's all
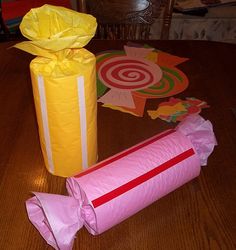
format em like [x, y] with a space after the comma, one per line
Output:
[167, 20]
[81, 6]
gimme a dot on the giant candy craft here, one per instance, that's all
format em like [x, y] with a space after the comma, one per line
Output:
[118, 187]
[64, 86]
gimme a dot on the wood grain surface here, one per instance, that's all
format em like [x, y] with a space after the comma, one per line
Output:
[200, 215]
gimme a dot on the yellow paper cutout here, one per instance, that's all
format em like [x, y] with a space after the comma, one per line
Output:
[166, 110]
[152, 56]
[122, 109]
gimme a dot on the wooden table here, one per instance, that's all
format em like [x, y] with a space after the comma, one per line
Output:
[199, 215]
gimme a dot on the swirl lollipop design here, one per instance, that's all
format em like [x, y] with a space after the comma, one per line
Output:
[133, 77]
[123, 75]
[128, 74]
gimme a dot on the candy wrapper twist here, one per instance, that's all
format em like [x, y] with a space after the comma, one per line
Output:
[120, 186]
[63, 77]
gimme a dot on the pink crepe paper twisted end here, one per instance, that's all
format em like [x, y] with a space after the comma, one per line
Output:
[56, 217]
[200, 133]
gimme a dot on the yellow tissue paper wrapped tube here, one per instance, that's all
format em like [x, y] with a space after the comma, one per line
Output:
[64, 86]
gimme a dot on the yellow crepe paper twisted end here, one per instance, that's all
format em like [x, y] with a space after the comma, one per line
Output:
[53, 28]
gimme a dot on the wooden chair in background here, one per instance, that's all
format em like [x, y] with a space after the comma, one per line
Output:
[122, 19]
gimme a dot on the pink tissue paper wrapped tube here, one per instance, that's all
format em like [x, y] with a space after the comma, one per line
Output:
[122, 185]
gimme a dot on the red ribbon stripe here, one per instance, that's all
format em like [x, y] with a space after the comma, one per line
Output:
[141, 179]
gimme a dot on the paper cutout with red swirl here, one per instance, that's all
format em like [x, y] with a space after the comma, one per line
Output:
[129, 73]
[135, 75]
